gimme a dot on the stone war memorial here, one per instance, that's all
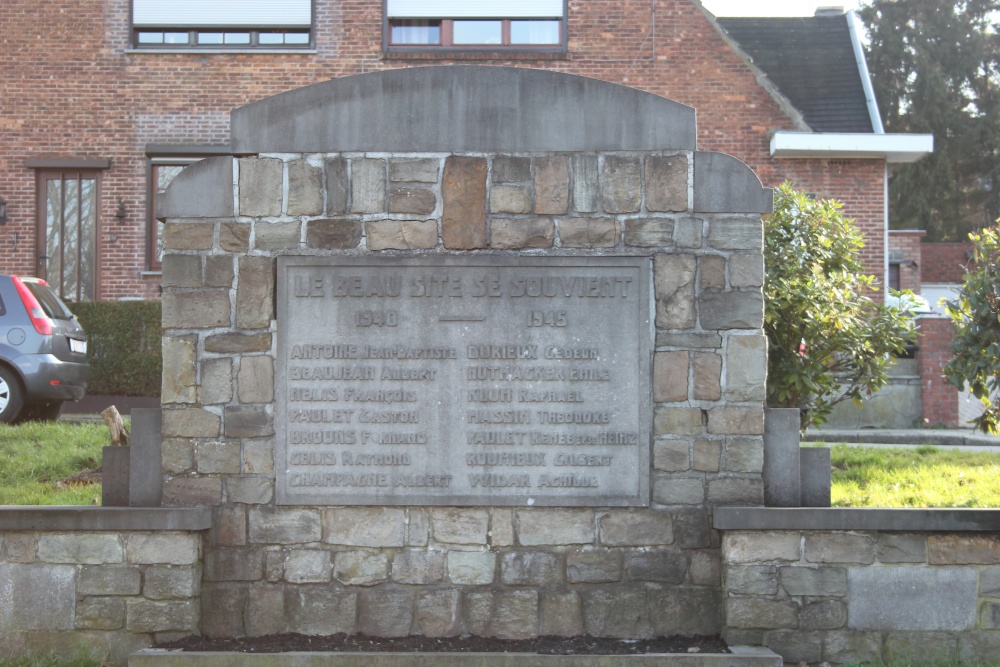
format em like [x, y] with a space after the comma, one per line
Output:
[478, 351]
[463, 350]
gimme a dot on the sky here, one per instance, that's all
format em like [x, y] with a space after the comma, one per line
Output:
[773, 7]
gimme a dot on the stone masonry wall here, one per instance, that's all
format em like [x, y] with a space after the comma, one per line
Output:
[113, 591]
[856, 596]
[446, 571]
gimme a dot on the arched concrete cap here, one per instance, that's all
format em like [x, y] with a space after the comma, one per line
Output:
[202, 190]
[462, 108]
[723, 184]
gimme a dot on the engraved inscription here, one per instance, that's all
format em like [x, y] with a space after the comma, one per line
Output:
[463, 381]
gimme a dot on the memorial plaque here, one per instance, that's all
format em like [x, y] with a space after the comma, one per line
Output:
[463, 381]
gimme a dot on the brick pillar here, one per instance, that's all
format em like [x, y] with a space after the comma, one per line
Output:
[939, 400]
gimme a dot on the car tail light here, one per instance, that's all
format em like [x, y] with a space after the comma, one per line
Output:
[39, 319]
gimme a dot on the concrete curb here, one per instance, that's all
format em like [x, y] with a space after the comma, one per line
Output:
[741, 656]
[856, 518]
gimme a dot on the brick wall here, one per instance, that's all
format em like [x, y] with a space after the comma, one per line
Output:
[72, 89]
[944, 262]
[905, 249]
[938, 398]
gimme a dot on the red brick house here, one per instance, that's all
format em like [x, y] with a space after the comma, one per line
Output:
[104, 102]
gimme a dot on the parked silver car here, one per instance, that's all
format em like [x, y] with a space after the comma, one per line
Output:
[43, 351]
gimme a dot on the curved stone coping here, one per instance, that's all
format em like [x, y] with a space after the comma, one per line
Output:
[462, 108]
[69, 518]
[848, 518]
[740, 657]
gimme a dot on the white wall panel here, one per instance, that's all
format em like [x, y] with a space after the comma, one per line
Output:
[457, 9]
[255, 13]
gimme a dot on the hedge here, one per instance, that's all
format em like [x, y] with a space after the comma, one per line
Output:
[123, 348]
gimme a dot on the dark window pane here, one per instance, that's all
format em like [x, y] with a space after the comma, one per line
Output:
[416, 32]
[237, 38]
[150, 38]
[210, 38]
[477, 32]
[49, 302]
[534, 32]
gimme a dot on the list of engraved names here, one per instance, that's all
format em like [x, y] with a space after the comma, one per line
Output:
[463, 381]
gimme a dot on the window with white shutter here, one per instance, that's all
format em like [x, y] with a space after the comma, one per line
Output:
[222, 24]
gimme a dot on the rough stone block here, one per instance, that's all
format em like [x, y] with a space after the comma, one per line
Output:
[794, 646]
[663, 565]
[414, 566]
[419, 170]
[555, 527]
[37, 597]
[713, 272]
[277, 236]
[217, 457]
[96, 613]
[284, 526]
[845, 646]
[337, 186]
[588, 233]
[685, 611]
[593, 567]
[502, 614]
[501, 528]
[736, 421]
[551, 185]
[672, 455]
[385, 612]
[909, 548]
[586, 183]
[181, 271]
[247, 421]
[530, 568]
[418, 528]
[736, 491]
[616, 613]
[689, 233]
[746, 368]
[265, 611]
[679, 491]
[911, 598]
[178, 378]
[962, 550]
[191, 491]
[255, 380]
[333, 234]
[401, 234]
[250, 490]
[649, 233]
[321, 611]
[677, 421]
[80, 548]
[815, 582]
[260, 187]
[744, 455]
[361, 568]
[219, 271]
[471, 568]
[367, 185]
[621, 184]
[365, 526]
[670, 377]
[438, 613]
[839, 548]
[195, 310]
[507, 169]
[162, 616]
[216, 381]
[922, 647]
[104, 580]
[258, 457]
[255, 293]
[561, 614]
[463, 194]
[707, 376]
[746, 271]
[18, 547]
[673, 282]
[696, 341]
[187, 236]
[667, 183]
[234, 237]
[163, 548]
[752, 579]
[731, 310]
[729, 234]
[741, 547]
[705, 569]
[636, 528]
[707, 454]
[305, 188]
[307, 566]
[510, 199]
[164, 583]
[229, 527]
[823, 615]
[460, 526]
[508, 234]
[222, 610]
[419, 201]
[238, 343]
[759, 613]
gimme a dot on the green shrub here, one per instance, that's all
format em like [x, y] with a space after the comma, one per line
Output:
[124, 346]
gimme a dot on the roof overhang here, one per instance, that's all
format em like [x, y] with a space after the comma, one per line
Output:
[893, 148]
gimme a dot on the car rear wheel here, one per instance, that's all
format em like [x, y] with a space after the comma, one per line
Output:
[11, 396]
[41, 412]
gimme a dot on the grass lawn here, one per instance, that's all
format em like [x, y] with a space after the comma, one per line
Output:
[36, 457]
[920, 477]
